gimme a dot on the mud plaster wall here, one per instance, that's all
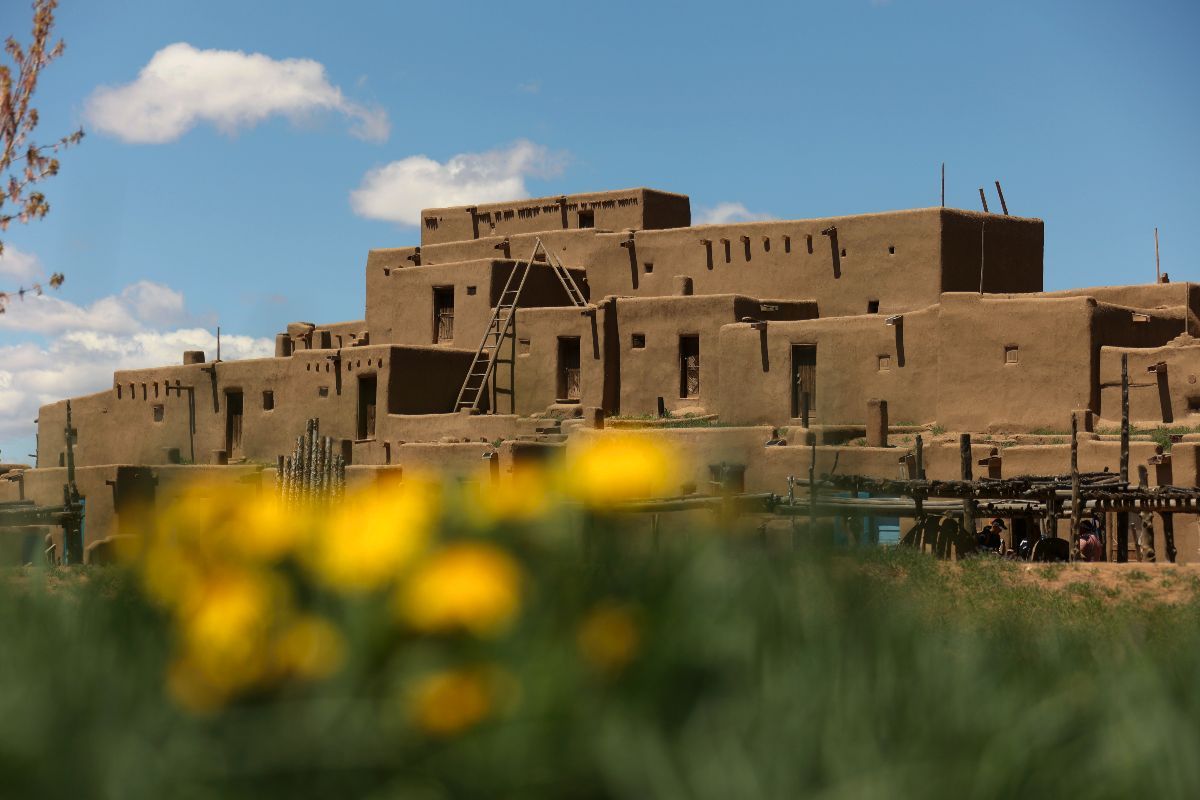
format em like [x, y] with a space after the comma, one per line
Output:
[1006, 251]
[537, 334]
[857, 358]
[1170, 395]
[617, 210]
[401, 311]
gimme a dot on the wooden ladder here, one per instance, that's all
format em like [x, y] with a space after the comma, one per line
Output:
[484, 362]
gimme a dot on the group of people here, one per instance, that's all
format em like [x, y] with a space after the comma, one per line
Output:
[991, 539]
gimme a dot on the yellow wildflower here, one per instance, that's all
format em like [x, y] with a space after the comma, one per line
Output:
[261, 529]
[309, 648]
[188, 687]
[371, 538]
[608, 637]
[614, 468]
[449, 702]
[472, 586]
[523, 497]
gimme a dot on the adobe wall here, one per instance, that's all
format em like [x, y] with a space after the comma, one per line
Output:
[1169, 395]
[1006, 250]
[1142, 296]
[121, 426]
[857, 358]
[401, 308]
[617, 210]
[536, 335]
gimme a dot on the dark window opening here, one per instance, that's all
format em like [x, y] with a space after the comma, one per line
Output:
[568, 369]
[891, 250]
[872, 306]
[649, 267]
[471, 290]
[787, 244]
[268, 400]
[443, 314]
[367, 390]
[118, 391]
[158, 412]
[233, 425]
[523, 347]
[587, 219]
[809, 237]
[1193, 405]
[1010, 354]
[689, 366]
[843, 252]
[638, 341]
[323, 391]
[804, 378]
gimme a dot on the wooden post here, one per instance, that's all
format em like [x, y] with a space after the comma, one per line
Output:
[1003, 205]
[1076, 511]
[983, 199]
[804, 403]
[918, 497]
[964, 453]
[1122, 537]
[943, 184]
[1157, 264]
[1145, 539]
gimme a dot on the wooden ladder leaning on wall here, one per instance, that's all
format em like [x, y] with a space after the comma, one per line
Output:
[500, 326]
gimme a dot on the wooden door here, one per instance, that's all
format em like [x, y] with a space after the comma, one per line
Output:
[689, 366]
[804, 378]
[233, 425]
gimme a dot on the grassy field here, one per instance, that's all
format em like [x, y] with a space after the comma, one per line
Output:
[699, 670]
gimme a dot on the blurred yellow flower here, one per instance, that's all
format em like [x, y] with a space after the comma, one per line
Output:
[309, 648]
[608, 637]
[447, 703]
[261, 528]
[371, 537]
[226, 623]
[619, 467]
[190, 690]
[523, 497]
[472, 586]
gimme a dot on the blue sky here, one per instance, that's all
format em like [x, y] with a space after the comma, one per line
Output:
[1087, 112]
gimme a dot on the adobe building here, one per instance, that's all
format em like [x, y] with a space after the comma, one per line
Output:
[528, 326]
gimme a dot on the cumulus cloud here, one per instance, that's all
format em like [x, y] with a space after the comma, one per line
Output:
[18, 267]
[73, 350]
[724, 213]
[397, 192]
[182, 86]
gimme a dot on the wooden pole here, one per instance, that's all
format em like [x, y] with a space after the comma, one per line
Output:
[920, 470]
[1145, 538]
[943, 184]
[1003, 205]
[1157, 264]
[1123, 516]
[1076, 511]
[983, 199]
[964, 455]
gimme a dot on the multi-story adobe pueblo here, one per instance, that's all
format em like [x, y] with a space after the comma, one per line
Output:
[522, 327]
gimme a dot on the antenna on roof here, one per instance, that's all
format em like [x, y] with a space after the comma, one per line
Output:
[983, 199]
[1003, 205]
[943, 184]
[218, 343]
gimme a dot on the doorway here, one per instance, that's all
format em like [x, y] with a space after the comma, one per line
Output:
[689, 366]
[367, 397]
[804, 379]
[568, 390]
[443, 314]
[233, 425]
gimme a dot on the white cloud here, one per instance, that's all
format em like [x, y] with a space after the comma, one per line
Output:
[18, 267]
[397, 192]
[145, 325]
[182, 86]
[725, 213]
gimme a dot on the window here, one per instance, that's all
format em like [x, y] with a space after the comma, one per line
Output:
[233, 424]
[885, 363]
[471, 291]
[638, 341]
[323, 391]
[268, 401]
[443, 314]
[872, 306]
[1010, 354]
[689, 366]
[587, 219]
[118, 391]
[891, 249]
[431, 223]
[523, 347]
[649, 267]
[158, 412]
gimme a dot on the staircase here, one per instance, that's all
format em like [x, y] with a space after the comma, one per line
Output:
[484, 362]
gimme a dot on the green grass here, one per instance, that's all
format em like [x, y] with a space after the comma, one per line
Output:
[760, 673]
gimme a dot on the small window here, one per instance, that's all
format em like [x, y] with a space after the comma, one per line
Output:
[1010, 354]
[268, 401]
[308, 367]
[638, 341]
[872, 306]
[885, 363]
[158, 412]
[649, 267]
[587, 219]
[787, 244]
[470, 290]
[843, 252]
[1193, 405]
[891, 249]
[118, 391]
[809, 238]
[323, 391]
[523, 347]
